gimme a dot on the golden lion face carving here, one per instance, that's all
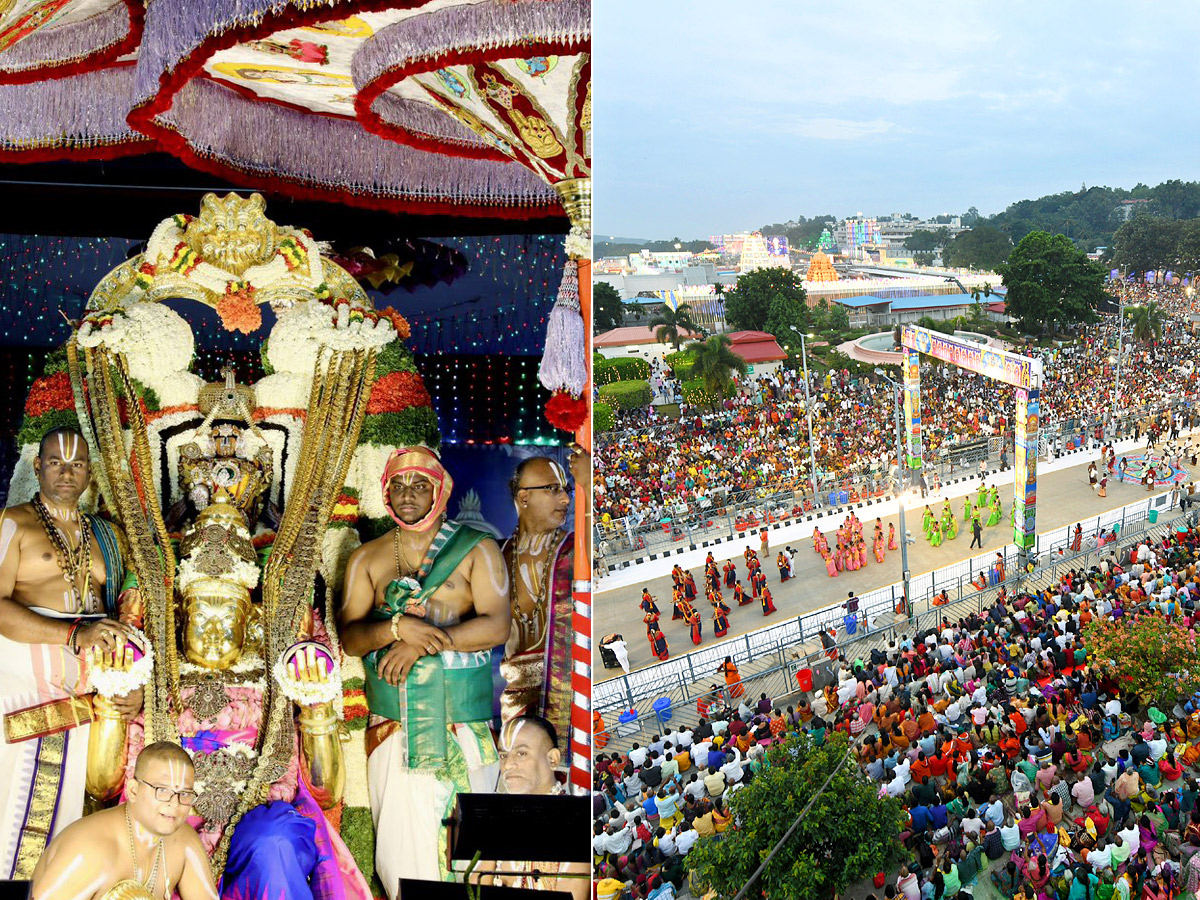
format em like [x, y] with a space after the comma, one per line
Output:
[233, 232]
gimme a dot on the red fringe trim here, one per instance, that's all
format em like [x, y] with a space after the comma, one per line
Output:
[365, 99]
[96, 60]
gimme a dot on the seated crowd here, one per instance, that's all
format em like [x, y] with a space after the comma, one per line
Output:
[1021, 763]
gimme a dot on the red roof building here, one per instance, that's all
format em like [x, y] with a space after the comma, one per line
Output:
[756, 347]
[632, 335]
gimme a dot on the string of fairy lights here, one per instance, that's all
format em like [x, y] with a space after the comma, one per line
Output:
[477, 347]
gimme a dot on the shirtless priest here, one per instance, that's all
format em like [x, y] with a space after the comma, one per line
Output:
[60, 571]
[143, 849]
[424, 605]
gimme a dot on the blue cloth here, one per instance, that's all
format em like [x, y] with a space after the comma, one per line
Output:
[938, 815]
[271, 855]
[920, 818]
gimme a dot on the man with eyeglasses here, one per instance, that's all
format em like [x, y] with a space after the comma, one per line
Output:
[541, 561]
[143, 848]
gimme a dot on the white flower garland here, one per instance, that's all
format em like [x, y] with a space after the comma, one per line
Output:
[307, 693]
[250, 661]
[156, 340]
[300, 333]
[112, 682]
[168, 235]
[578, 243]
[243, 572]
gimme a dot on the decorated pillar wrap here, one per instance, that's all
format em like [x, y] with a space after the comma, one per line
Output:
[1025, 483]
[912, 407]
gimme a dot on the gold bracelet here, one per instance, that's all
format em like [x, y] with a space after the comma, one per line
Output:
[395, 629]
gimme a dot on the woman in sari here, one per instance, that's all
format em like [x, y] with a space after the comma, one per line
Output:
[891, 536]
[927, 521]
[720, 622]
[830, 566]
[968, 508]
[935, 536]
[733, 680]
[952, 533]
[781, 562]
[768, 605]
[862, 551]
[878, 547]
[997, 512]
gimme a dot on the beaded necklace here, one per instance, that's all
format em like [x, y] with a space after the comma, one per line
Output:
[72, 562]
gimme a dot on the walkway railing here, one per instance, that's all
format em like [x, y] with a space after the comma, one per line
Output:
[725, 512]
[686, 677]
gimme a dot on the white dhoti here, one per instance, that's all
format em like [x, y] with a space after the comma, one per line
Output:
[408, 805]
[41, 779]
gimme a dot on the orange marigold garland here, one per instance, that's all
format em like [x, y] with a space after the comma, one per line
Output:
[403, 329]
[50, 394]
[238, 309]
[397, 391]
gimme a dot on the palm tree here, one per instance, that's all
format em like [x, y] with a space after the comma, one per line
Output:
[671, 325]
[1146, 322]
[716, 363]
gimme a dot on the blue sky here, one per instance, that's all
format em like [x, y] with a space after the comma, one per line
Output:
[712, 117]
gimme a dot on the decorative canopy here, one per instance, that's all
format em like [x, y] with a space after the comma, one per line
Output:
[455, 107]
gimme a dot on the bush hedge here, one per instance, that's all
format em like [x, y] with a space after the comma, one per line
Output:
[602, 417]
[682, 363]
[695, 392]
[627, 394]
[628, 368]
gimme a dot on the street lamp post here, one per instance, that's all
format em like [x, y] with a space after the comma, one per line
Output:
[901, 483]
[812, 459]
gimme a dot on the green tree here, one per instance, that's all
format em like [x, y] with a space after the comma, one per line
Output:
[1147, 242]
[923, 257]
[839, 319]
[847, 833]
[748, 303]
[1051, 283]
[635, 311]
[607, 309]
[1147, 655]
[783, 315]
[1146, 322]
[1188, 248]
[983, 247]
[671, 325]
[716, 363]
[922, 239]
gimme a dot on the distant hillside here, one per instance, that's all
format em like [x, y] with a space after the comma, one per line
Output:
[1090, 216]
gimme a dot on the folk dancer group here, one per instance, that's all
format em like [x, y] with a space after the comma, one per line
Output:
[850, 549]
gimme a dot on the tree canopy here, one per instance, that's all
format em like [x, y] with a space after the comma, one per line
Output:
[607, 309]
[983, 247]
[748, 303]
[802, 232]
[1146, 322]
[849, 832]
[1146, 655]
[715, 364]
[921, 239]
[783, 314]
[1051, 283]
[1147, 242]
[672, 325]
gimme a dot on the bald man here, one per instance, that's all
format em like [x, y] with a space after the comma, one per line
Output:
[60, 571]
[143, 848]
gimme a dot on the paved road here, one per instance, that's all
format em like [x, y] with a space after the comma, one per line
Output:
[1064, 498]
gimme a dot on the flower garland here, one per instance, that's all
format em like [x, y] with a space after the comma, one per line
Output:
[113, 682]
[397, 391]
[51, 393]
[241, 571]
[302, 330]
[157, 342]
[238, 309]
[307, 693]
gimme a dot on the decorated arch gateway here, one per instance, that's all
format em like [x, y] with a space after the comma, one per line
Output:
[1023, 372]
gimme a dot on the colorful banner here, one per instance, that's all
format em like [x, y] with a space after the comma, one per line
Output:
[912, 408]
[1025, 485]
[1011, 368]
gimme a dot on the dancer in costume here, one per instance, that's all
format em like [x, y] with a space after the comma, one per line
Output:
[878, 545]
[819, 542]
[927, 522]
[424, 605]
[730, 571]
[968, 508]
[952, 531]
[650, 620]
[541, 564]
[648, 605]
[695, 625]
[689, 587]
[830, 565]
[720, 622]
[60, 571]
[139, 850]
[935, 535]
[768, 605]
[658, 644]
[997, 512]
[892, 537]
[679, 606]
[781, 562]
[861, 546]
[739, 594]
[677, 576]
